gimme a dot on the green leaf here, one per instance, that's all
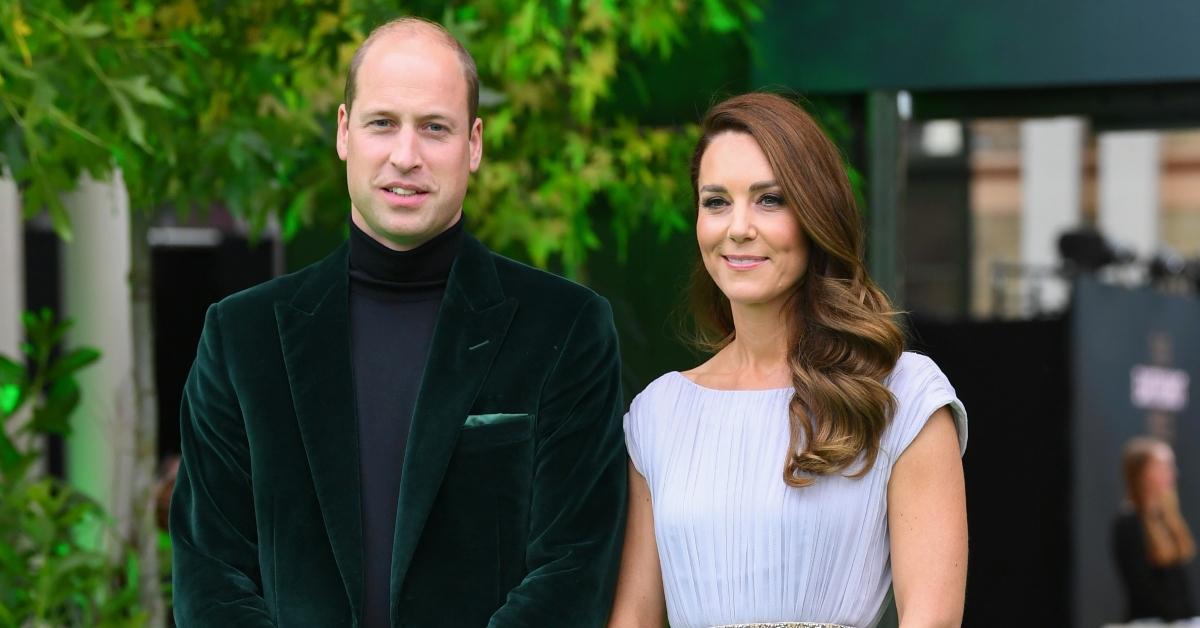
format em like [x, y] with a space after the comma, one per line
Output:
[36, 329]
[720, 18]
[10, 398]
[79, 26]
[141, 90]
[60, 118]
[134, 123]
[14, 150]
[42, 97]
[10, 458]
[189, 42]
[73, 361]
[11, 373]
[56, 329]
[298, 213]
[53, 417]
[60, 219]
[14, 67]
[523, 24]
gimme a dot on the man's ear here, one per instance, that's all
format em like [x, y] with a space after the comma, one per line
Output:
[476, 144]
[343, 132]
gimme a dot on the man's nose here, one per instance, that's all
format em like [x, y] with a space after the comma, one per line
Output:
[406, 154]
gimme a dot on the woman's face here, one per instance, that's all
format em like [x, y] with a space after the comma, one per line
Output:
[751, 243]
[1158, 476]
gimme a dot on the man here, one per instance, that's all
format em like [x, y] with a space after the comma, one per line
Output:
[414, 431]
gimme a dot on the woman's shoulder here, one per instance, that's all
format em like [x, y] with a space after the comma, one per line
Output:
[912, 364]
[665, 387]
[645, 423]
[916, 375]
[920, 388]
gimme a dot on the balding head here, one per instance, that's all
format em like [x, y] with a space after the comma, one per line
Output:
[417, 27]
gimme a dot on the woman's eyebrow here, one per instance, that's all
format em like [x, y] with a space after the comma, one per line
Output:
[763, 185]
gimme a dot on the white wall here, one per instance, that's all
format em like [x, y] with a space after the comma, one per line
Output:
[1051, 174]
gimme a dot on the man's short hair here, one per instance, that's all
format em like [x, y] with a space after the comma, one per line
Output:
[470, 72]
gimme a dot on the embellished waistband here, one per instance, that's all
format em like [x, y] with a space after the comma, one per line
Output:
[784, 624]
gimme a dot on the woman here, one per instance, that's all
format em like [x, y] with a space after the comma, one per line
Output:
[1153, 542]
[775, 482]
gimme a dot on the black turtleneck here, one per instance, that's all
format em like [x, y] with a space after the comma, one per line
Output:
[394, 299]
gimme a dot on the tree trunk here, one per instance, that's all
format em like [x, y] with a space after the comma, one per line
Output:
[111, 452]
[12, 268]
[145, 528]
[12, 284]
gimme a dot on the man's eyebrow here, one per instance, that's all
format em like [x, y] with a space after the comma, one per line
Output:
[378, 113]
[437, 117]
[374, 114]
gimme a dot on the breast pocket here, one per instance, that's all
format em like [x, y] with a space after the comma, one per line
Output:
[484, 431]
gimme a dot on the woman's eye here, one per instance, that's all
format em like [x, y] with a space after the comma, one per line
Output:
[771, 200]
[715, 202]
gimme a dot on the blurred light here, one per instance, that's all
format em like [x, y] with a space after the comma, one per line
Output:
[904, 105]
[942, 138]
[185, 236]
[1166, 264]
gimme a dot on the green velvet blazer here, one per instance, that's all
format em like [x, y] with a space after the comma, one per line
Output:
[512, 501]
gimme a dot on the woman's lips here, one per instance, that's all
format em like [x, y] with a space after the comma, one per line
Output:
[743, 262]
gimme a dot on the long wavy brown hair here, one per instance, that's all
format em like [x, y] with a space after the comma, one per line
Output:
[1168, 537]
[842, 338]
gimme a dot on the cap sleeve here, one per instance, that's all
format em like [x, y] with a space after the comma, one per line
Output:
[920, 389]
[634, 433]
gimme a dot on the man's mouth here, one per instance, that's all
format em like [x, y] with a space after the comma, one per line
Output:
[403, 191]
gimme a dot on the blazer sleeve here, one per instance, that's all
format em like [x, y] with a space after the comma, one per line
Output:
[212, 522]
[577, 513]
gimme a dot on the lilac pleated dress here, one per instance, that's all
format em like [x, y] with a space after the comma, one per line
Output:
[736, 544]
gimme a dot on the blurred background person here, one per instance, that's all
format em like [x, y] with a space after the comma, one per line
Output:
[1153, 543]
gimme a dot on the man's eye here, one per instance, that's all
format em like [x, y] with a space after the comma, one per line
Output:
[380, 123]
[437, 128]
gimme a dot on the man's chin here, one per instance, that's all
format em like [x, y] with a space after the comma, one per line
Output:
[405, 235]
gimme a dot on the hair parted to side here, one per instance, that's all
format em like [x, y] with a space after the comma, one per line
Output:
[843, 340]
[470, 72]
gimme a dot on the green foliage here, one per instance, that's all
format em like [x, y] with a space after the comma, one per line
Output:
[51, 572]
[553, 155]
[212, 102]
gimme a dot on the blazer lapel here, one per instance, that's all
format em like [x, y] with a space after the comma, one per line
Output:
[471, 326]
[314, 330]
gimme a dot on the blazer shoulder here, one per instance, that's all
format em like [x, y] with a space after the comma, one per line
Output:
[261, 298]
[534, 285]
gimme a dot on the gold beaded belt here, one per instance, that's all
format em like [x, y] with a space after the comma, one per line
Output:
[784, 624]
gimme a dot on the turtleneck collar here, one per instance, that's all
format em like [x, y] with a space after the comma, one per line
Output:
[426, 266]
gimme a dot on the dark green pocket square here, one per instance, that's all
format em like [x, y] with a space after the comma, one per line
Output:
[477, 420]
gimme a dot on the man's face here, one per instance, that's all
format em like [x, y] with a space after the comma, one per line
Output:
[407, 143]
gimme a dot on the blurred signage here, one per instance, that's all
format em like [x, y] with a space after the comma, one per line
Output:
[1159, 388]
[833, 46]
